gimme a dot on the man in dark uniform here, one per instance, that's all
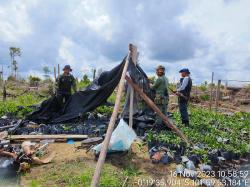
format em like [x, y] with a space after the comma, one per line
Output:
[160, 87]
[65, 83]
[183, 93]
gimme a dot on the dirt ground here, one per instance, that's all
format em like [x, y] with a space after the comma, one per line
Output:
[68, 158]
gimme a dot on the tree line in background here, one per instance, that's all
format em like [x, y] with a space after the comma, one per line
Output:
[16, 52]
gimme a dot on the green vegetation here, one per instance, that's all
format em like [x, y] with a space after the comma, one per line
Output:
[46, 71]
[11, 78]
[19, 105]
[203, 87]
[205, 97]
[34, 80]
[14, 52]
[207, 127]
[83, 83]
[248, 86]
[104, 110]
[77, 173]
[172, 86]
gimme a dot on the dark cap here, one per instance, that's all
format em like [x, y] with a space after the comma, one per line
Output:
[186, 70]
[67, 67]
[160, 67]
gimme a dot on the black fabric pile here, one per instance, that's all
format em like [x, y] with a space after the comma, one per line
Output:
[93, 125]
[87, 100]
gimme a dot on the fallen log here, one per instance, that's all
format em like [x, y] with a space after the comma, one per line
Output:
[55, 137]
[156, 109]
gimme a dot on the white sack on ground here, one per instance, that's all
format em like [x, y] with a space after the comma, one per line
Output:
[121, 139]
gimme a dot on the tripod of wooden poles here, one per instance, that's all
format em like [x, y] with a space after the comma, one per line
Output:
[101, 160]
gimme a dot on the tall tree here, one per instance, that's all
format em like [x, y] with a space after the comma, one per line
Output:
[14, 52]
[46, 71]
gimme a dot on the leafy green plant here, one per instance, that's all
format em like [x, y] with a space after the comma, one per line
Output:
[205, 97]
[19, 106]
[203, 87]
[104, 110]
[206, 127]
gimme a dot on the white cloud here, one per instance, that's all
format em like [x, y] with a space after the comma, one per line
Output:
[64, 51]
[204, 36]
[14, 21]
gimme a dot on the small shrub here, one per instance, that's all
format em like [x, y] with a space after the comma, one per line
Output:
[104, 110]
[203, 87]
[205, 97]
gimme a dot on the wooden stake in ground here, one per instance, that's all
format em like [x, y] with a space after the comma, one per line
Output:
[105, 144]
[4, 91]
[54, 87]
[2, 81]
[133, 55]
[156, 109]
[211, 91]
[55, 73]
[58, 69]
[218, 94]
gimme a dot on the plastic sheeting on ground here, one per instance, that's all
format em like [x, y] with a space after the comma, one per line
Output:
[121, 139]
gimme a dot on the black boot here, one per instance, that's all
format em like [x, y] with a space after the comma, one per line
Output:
[185, 122]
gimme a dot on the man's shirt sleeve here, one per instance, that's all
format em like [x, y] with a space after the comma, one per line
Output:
[156, 83]
[184, 84]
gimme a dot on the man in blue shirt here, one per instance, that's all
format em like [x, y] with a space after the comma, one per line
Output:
[183, 93]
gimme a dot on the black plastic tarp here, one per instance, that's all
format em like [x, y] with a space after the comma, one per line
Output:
[82, 101]
[93, 96]
[87, 100]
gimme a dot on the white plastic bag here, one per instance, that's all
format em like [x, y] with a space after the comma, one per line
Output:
[121, 139]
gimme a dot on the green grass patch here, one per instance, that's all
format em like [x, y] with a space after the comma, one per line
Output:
[78, 174]
[19, 105]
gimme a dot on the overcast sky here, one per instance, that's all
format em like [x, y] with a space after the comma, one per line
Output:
[201, 35]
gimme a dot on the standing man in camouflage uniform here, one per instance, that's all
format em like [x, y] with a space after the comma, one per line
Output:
[161, 92]
[65, 83]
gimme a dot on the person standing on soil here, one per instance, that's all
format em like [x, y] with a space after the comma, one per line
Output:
[183, 93]
[65, 83]
[160, 87]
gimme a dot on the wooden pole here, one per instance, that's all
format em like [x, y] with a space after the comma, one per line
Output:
[156, 109]
[218, 94]
[94, 72]
[58, 69]
[2, 75]
[54, 87]
[105, 144]
[55, 73]
[134, 56]
[211, 91]
[131, 107]
[4, 91]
